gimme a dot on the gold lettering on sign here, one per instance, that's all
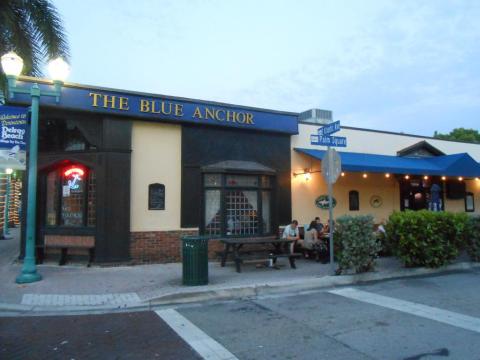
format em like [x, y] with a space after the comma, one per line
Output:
[231, 115]
[95, 98]
[123, 104]
[197, 113]
[240, 118]
[209, 114]
[107, 99]
[178, 110]
[217, 115]
[154, 111]
[144, 105]
[164, 112]
[249, 119]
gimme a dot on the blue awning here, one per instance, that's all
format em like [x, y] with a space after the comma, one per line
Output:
[444, 165]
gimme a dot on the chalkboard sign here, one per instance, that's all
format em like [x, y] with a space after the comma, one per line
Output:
[156, 197]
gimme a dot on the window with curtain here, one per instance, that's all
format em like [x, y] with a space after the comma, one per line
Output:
[237, 205]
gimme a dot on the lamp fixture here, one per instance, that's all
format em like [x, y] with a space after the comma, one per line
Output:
[12, 64]
[444, 178]
[9, 171]
[342, 174]
[307, 173]
[58, 69]
[365, 175]
[387, 175]
[425, 177]
[477, 179]
[407, 177]
[460, 178]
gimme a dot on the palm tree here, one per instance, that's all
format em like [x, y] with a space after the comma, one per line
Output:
[33, 29]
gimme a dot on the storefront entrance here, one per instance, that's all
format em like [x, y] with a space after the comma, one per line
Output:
[421, 192]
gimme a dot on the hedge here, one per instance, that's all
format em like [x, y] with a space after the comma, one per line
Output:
[426, 238]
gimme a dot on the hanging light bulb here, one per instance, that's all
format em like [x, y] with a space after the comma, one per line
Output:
[365, 175]
[425, 177]
[308, 175]
[460, 178]
[387, 175]
[444, 178]
[407, 177]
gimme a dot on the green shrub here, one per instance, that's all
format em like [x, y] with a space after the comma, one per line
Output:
[358, 246]
[473, 238]
[426, 238]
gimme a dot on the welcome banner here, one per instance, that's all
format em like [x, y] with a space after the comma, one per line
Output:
[13, 137]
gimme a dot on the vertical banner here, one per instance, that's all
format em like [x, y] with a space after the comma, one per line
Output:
[13, 137]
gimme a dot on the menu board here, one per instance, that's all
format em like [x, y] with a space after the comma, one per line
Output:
[156, 197]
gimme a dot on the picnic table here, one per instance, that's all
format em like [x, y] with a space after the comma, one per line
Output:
[233, 246]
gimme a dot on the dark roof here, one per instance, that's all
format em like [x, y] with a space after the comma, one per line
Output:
[421, 145]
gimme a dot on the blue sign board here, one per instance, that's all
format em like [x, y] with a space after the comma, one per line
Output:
[164, 108]
[13, 121]
[329, 129]
[13, 136]
[338, 141]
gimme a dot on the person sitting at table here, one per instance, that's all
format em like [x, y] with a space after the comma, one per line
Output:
[291, 233]
[312, 239]
[318, 226]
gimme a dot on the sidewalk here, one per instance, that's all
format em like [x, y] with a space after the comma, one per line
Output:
[78, 288]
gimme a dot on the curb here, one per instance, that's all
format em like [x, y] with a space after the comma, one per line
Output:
[230, 293]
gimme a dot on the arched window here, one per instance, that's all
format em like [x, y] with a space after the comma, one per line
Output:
[156, 197]
[71, 197]
[353, 200]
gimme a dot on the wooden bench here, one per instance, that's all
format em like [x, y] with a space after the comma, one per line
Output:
[65, 242]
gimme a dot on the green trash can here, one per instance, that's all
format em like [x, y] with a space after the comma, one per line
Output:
[195, 260]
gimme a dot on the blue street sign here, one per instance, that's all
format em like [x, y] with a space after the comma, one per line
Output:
[329, 129]
[338, 141]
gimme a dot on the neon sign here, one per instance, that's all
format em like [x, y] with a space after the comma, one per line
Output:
[74, 176]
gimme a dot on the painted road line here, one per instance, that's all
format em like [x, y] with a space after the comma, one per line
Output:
[203, 344]
[80, 300]
[425, 311]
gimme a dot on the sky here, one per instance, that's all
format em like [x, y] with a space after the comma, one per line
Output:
[404, 66]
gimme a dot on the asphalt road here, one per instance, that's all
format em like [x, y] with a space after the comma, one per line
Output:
[410, 319]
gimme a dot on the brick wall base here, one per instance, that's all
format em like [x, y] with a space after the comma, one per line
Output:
[164, 246]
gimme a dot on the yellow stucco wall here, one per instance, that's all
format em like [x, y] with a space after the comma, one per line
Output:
[459, 205]
[156, 158]
[305, 192]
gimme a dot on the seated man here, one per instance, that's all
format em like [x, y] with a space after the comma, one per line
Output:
[291, 233]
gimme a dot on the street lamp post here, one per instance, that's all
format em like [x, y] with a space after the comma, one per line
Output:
[8, 172]
[12, 65]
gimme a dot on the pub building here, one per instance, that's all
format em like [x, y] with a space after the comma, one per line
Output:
[123, 175]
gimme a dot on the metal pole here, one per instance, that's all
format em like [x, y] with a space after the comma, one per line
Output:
[330, 210]
[29, 271]
[7, 198]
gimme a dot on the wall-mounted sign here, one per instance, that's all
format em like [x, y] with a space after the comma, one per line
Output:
[156, 197]
[13, 137]
[170, 109]
[322, 202]
[376, 201]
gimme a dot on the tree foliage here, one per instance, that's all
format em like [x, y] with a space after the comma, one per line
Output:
[460, 134]
[34, 30]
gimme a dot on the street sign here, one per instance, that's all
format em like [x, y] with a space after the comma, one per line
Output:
[329, 129]
[337, 141]
[331, 166]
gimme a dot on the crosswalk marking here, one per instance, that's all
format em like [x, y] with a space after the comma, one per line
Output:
[203, 344]
[80, 300]
[425, 311]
